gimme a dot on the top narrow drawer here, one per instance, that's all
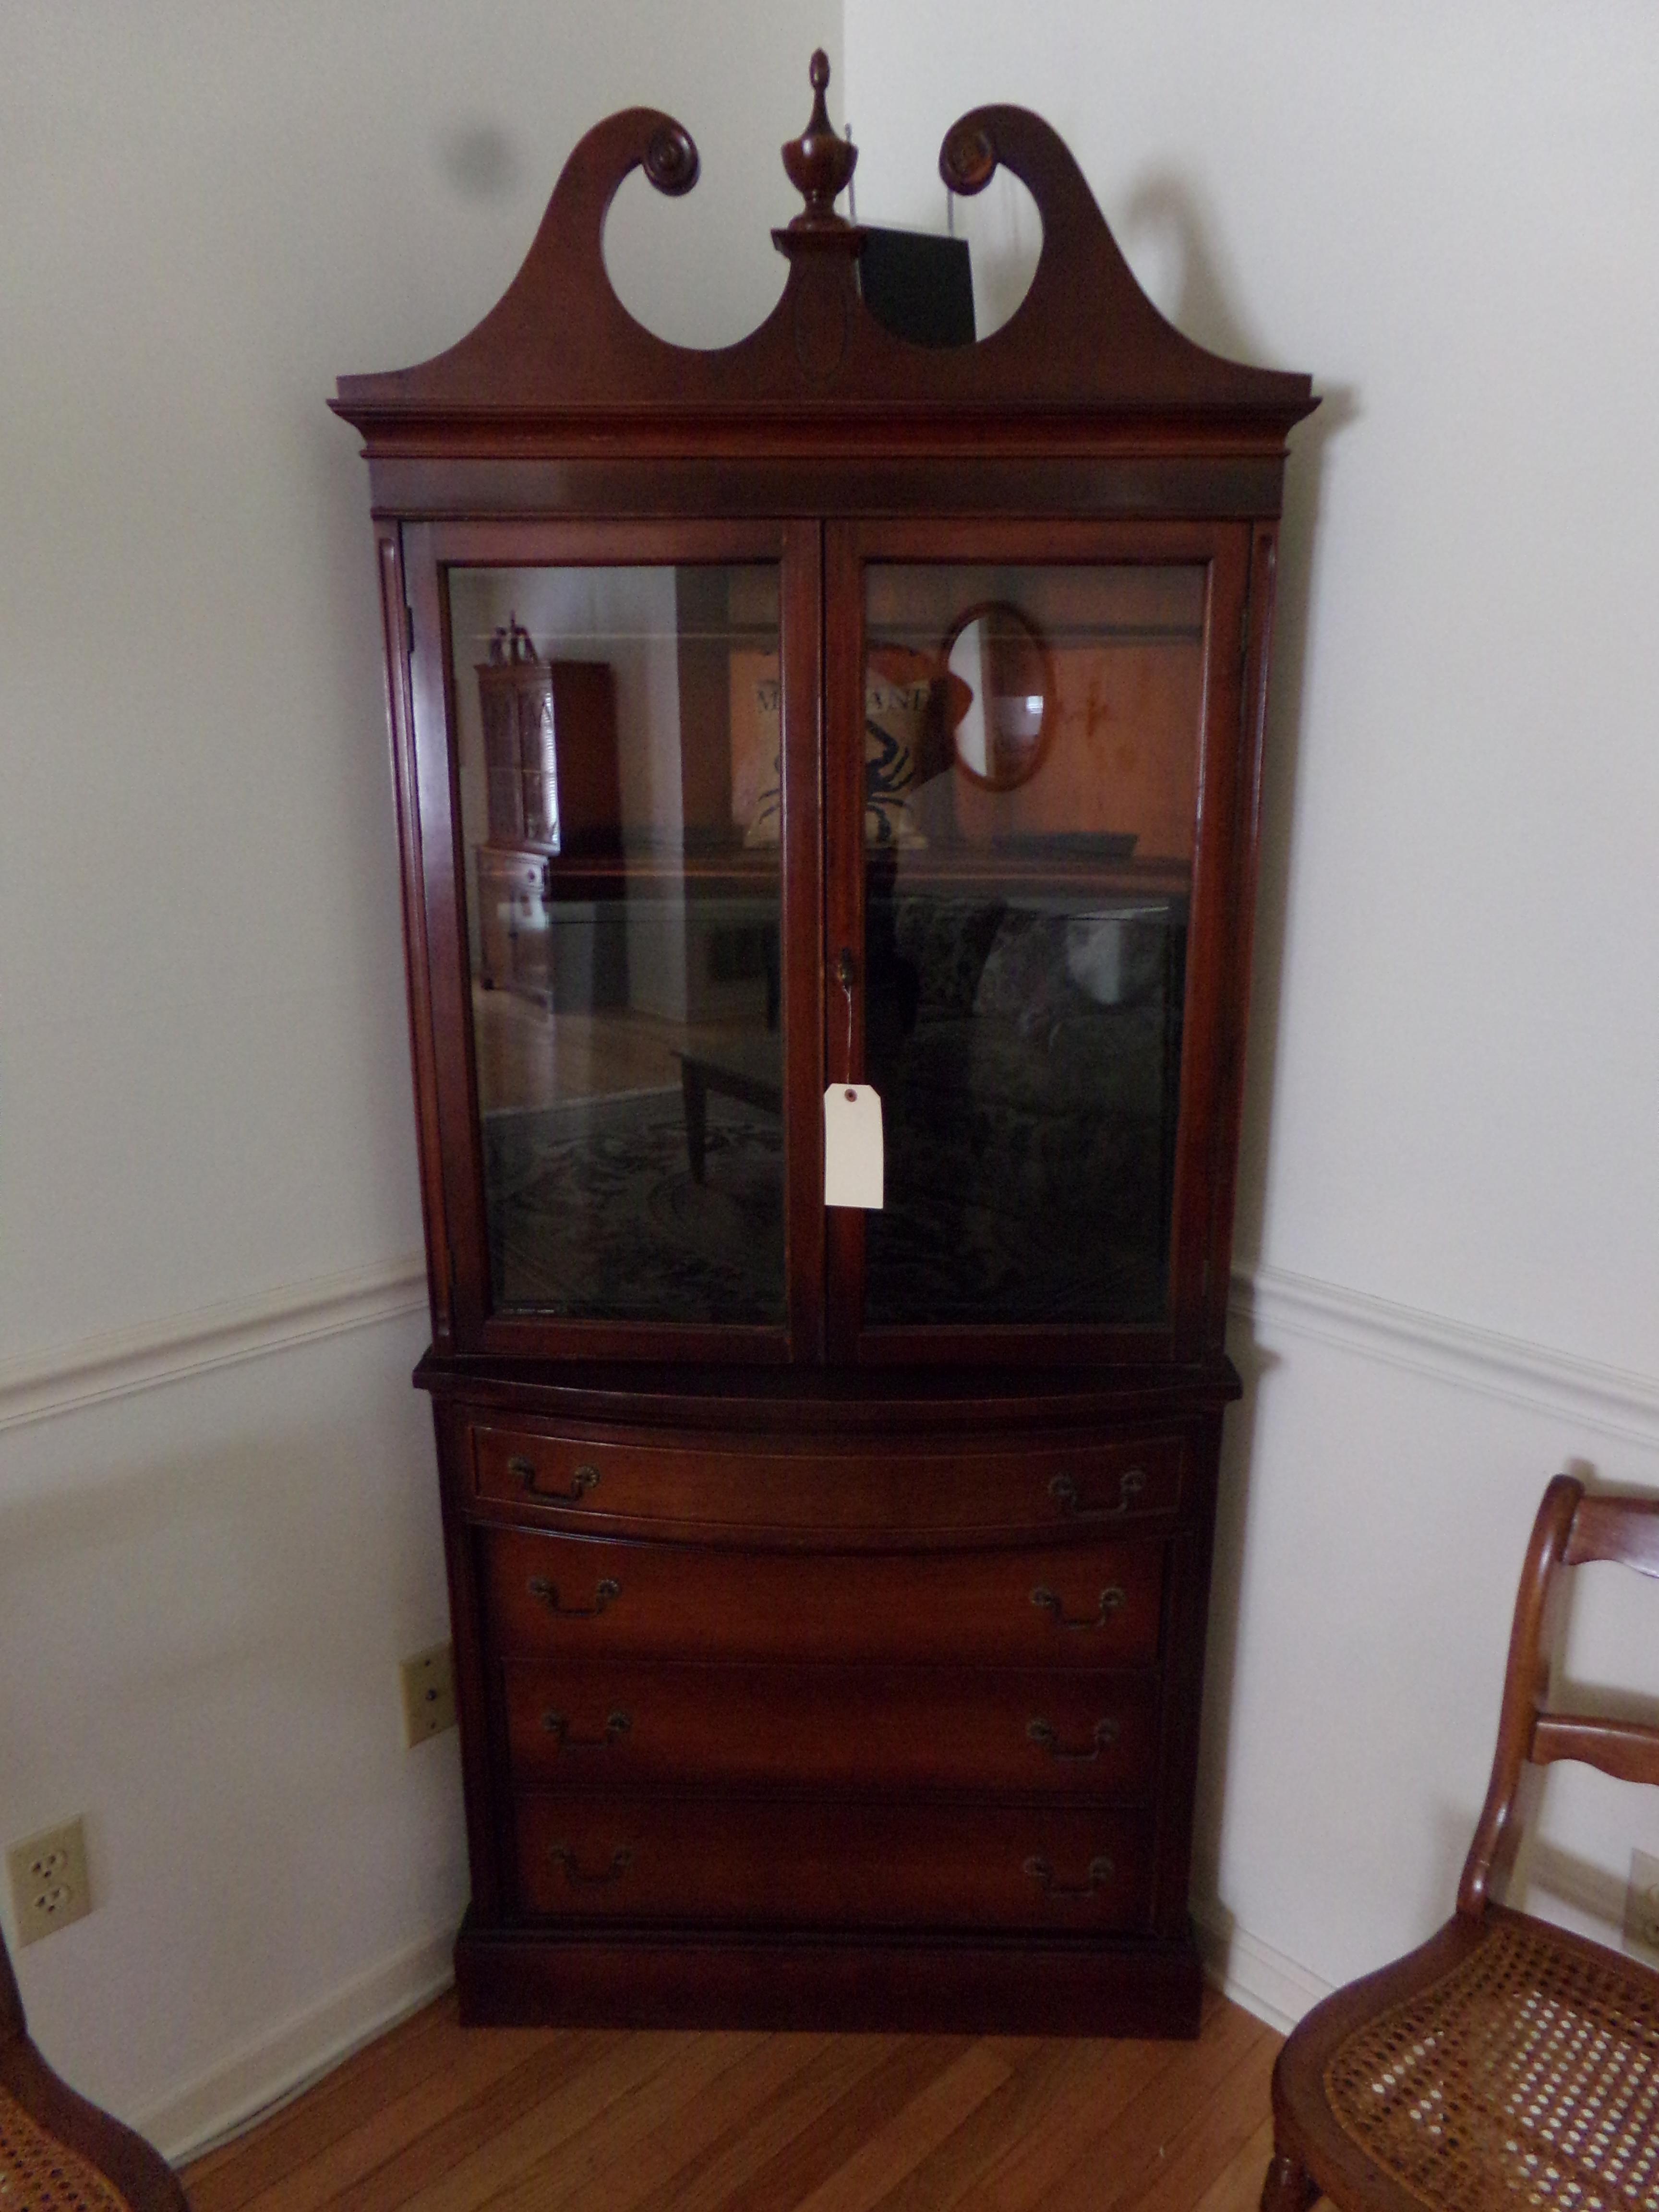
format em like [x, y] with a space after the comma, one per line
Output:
[1044, 1486]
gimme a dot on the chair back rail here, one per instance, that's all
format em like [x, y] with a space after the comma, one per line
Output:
[1571, 1530]
[1623, 1529]
[1627, 1749]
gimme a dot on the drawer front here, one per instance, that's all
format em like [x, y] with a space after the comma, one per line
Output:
[1093, 1485]
[925, 1730]
[1081, 1605]
[821, 1862]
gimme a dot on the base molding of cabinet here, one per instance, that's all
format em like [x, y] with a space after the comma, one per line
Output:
[1008, 1986]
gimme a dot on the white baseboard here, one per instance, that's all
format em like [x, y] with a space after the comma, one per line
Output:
[1614, 1400]
[100, 1367]
[1252, 1974]
[257, 2079]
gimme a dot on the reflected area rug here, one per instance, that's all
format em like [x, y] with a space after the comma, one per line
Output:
[593, 1214]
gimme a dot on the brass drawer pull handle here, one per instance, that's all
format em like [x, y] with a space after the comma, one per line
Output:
[583, 1480]
[617, 1724]
[1131, 1484]
[621, 1859]
[1111, 1599]
[1044, 1736]
[1100, 1873]
[549, 1594]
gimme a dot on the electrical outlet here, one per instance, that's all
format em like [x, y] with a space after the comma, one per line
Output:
[428, 1680]
[1642, 1905]
[49, 1885]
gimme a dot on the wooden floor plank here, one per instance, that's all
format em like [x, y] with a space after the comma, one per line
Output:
[752, 2144]
[1166, 2160]
[603, 2159]
[885, 2159]
[435, 2118]
[910, 2067]
[659, 2161]
[226, 2180]
[1115, 2124]
[500, 2157]
[429, 2144]
[1237, 2187]
[480, 2074]
[1043, 2072]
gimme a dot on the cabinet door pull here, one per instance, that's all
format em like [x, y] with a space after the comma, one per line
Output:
[581, 1482]
[549, 1594]
[1131, 1484]
[1042, 1734]
[621, 1859]
[617, 1724]
[1100, 1873]
[1111, 1599]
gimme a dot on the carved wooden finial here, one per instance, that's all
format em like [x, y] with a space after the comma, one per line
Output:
[819, 161]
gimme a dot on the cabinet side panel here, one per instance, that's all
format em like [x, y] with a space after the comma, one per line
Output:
[395, 628]
[1206, 1134]
[1187, 1622]
[481, 1758]
[443, 975]
[1229, 1090]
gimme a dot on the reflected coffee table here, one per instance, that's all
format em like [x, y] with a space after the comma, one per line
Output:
[750, 1068]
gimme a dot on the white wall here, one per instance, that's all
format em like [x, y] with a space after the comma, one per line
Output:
[1452, 217]
[205, 1128]
[204, 1122]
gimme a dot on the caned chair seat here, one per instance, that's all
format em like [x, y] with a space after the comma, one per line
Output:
[39, 2171]
[1505, 2062]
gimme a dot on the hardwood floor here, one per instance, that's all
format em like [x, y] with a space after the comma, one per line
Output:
[438, 2119]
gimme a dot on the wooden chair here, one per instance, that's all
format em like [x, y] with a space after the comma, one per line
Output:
[57, 2153]
[1505, 2062]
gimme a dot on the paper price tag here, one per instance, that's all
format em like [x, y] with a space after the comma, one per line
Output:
[853, 1164]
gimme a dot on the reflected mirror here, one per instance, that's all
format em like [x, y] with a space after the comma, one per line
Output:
[1001, 698]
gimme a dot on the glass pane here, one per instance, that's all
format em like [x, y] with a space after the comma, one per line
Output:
[618, 739]
[1031, 747]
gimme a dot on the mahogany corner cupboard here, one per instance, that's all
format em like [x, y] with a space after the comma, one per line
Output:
[831, 724]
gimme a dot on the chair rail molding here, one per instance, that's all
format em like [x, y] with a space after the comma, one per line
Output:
[42, 1384]
[1615, 1401]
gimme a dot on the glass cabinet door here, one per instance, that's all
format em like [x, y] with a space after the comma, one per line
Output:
[1032, 741]
[617, 735]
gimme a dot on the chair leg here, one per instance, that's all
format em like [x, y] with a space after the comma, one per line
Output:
[1289, 2186]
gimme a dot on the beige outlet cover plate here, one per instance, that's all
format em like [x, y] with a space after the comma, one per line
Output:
[429, 1685]
[49, 1885]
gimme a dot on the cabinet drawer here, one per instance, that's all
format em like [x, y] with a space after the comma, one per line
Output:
[1078, 1605]
[1042, 1486]
[920, 1730]
[822, 1863]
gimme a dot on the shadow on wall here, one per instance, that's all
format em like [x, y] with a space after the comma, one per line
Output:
[1164, 233]
[480, 161]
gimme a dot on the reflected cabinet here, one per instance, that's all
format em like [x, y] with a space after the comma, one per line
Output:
[834, 720]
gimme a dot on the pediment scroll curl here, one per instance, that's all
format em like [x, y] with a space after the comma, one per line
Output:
[560, 346]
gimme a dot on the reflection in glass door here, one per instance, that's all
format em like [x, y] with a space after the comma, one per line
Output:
[618, 737]
[1031, 749]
